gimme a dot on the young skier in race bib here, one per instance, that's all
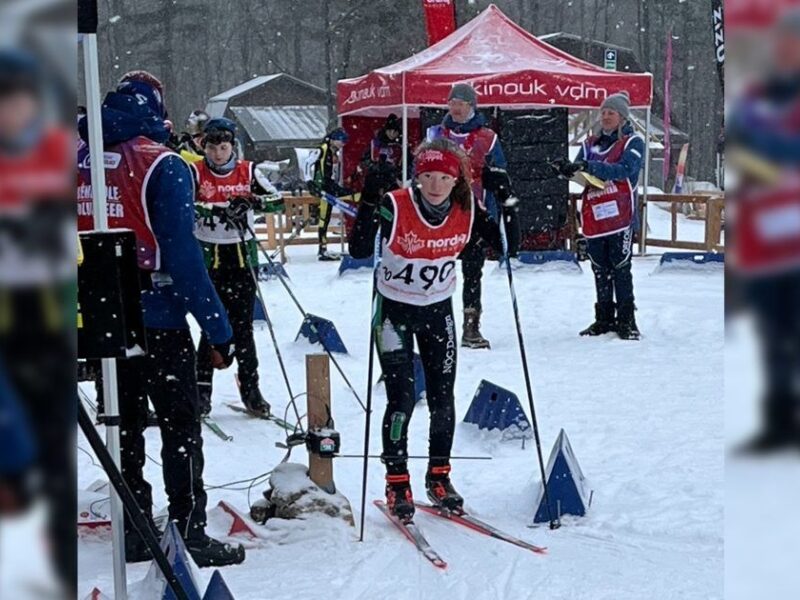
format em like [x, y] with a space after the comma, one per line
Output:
[422, 231]
[228, 191]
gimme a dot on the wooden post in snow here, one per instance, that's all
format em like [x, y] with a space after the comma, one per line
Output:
[318, 385]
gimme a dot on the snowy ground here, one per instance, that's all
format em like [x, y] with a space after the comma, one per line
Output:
[645, 421]
[762, 526]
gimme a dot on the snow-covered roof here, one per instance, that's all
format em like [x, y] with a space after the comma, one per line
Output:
[244, 87]
[282, 123]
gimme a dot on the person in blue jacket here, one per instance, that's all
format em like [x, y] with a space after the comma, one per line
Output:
[614, 154]
[174, 282]
[465, 126]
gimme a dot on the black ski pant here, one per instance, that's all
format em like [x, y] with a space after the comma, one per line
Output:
[472, 258]
[434, 329]
[611, 265]
[237, 291]
[325, 211]
[40, 363]
[168, 376]
[775, 301]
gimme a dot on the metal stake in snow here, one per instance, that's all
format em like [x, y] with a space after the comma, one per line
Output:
[554, 522]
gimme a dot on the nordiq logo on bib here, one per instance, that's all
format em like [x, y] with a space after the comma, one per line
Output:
[411, 242]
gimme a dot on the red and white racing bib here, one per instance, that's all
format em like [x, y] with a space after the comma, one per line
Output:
[418, 265]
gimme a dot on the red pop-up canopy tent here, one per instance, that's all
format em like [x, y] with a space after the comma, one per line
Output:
[508, 67]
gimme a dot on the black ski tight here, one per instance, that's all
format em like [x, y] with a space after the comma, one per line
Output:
[237, 291]
[434, 329]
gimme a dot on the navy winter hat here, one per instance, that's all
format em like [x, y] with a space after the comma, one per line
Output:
[147, 88]
[465, 92]
[19, 71]
[219, 130]
[339, 134]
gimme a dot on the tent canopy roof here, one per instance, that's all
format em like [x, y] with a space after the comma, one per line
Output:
[507, 65]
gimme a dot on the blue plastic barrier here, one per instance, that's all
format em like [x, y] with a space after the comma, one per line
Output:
[695, 258]
[349, 263]
[494, 407]
[566, 485]
[318, 330]
[271, 271]
[217, 589]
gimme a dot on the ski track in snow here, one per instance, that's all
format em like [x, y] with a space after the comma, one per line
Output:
[644, 419]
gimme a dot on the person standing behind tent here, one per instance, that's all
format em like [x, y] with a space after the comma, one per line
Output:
[467, 128]
[325, 179]
[190, 143]
[415, 285]
[228, 191]
[153, 196]
[613, 154]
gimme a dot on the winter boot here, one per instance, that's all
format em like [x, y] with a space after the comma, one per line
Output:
[204, 398]
[208, 552]
[603, 320]
[441, 492]
[399, 498]
[255, 403]
[781, 428]
[626, 322]
[136, 550]
[325, 256]
[471, 336]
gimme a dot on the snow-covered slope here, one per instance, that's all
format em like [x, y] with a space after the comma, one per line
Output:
[645, 420]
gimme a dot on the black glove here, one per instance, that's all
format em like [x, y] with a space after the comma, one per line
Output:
[222, 354]
[569, 169]
[313, 188]
[497, 181]
[238, 209]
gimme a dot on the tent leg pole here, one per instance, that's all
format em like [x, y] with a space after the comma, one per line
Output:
[93, 95]
[643, 235]
[405, 143]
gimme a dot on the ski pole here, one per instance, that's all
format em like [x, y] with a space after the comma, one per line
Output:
[260, 297]
[377, 260]
[554, 523]
[305, 317]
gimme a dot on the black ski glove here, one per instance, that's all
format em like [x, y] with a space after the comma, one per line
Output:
[237, 211]
[222, 354]
[570, 168]
[497, 181]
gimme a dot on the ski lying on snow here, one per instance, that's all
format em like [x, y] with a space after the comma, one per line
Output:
[471, 522]
[212, 425]
[414, 535]
[279, 422]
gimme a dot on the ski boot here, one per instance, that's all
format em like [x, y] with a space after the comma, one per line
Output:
[780, 430]
[399, 499]
[254, 402]
[626, 322]
[208, 552]
[603, 320]
[136, 550]
[204, 398]
[471, 336]
[441, 491]
[325, 256]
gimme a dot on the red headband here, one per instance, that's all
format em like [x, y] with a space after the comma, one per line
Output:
[437, 160]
